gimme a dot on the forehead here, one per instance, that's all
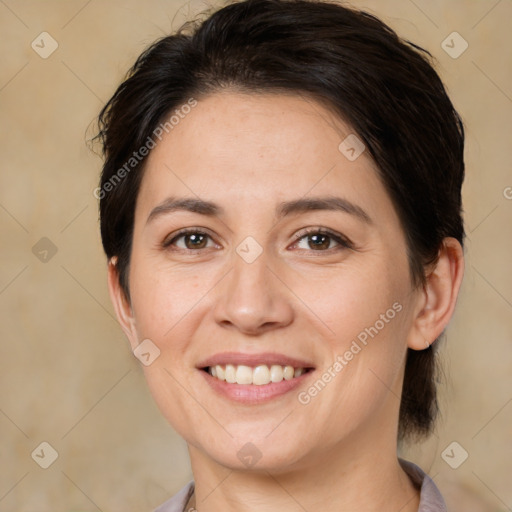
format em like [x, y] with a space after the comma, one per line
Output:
[261, 148]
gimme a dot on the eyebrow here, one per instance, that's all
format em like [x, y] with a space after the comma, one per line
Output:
[283, 209]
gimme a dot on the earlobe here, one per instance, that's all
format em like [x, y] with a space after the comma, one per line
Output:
[121, 304]
[439, 296]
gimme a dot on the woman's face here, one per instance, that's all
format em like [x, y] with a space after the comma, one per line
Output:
[258, 176]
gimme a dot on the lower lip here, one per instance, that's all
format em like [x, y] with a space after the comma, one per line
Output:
[252, 394]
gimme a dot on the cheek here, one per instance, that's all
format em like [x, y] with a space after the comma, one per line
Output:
[163, 297]
[347, 300]
[167, 307]
[366, 312]
[175, 398]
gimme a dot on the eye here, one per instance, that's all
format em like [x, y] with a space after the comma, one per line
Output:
[193, 239]
[316, 239]
[321, 240]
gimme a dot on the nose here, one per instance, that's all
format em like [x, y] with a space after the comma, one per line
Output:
[253, 298]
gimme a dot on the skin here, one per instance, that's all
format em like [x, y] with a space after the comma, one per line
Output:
[248, 153]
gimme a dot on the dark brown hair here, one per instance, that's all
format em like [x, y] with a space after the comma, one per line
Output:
[385, 88]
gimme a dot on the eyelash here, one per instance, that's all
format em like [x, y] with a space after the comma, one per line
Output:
[343, 242]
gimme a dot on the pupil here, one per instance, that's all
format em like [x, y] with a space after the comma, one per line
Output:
[196, 239]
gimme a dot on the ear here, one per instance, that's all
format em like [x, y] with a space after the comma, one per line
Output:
[121, 304]
[437, 300]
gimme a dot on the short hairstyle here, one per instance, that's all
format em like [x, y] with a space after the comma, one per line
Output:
[385, 88]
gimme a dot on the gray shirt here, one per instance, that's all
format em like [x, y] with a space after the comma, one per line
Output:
[430, 497]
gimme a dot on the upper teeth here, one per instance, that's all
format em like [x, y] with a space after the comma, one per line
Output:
[259, 375]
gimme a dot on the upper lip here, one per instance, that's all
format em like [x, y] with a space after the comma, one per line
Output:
[239, 358]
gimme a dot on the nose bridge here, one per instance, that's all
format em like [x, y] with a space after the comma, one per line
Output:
[252, 298]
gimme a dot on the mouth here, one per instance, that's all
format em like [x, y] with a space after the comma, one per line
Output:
[254, 378]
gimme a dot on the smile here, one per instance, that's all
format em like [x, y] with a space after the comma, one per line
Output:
[259, 375]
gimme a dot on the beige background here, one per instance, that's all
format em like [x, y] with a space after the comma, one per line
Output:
[67, 376]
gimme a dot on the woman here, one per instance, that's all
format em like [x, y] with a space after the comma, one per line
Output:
[281, 212]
